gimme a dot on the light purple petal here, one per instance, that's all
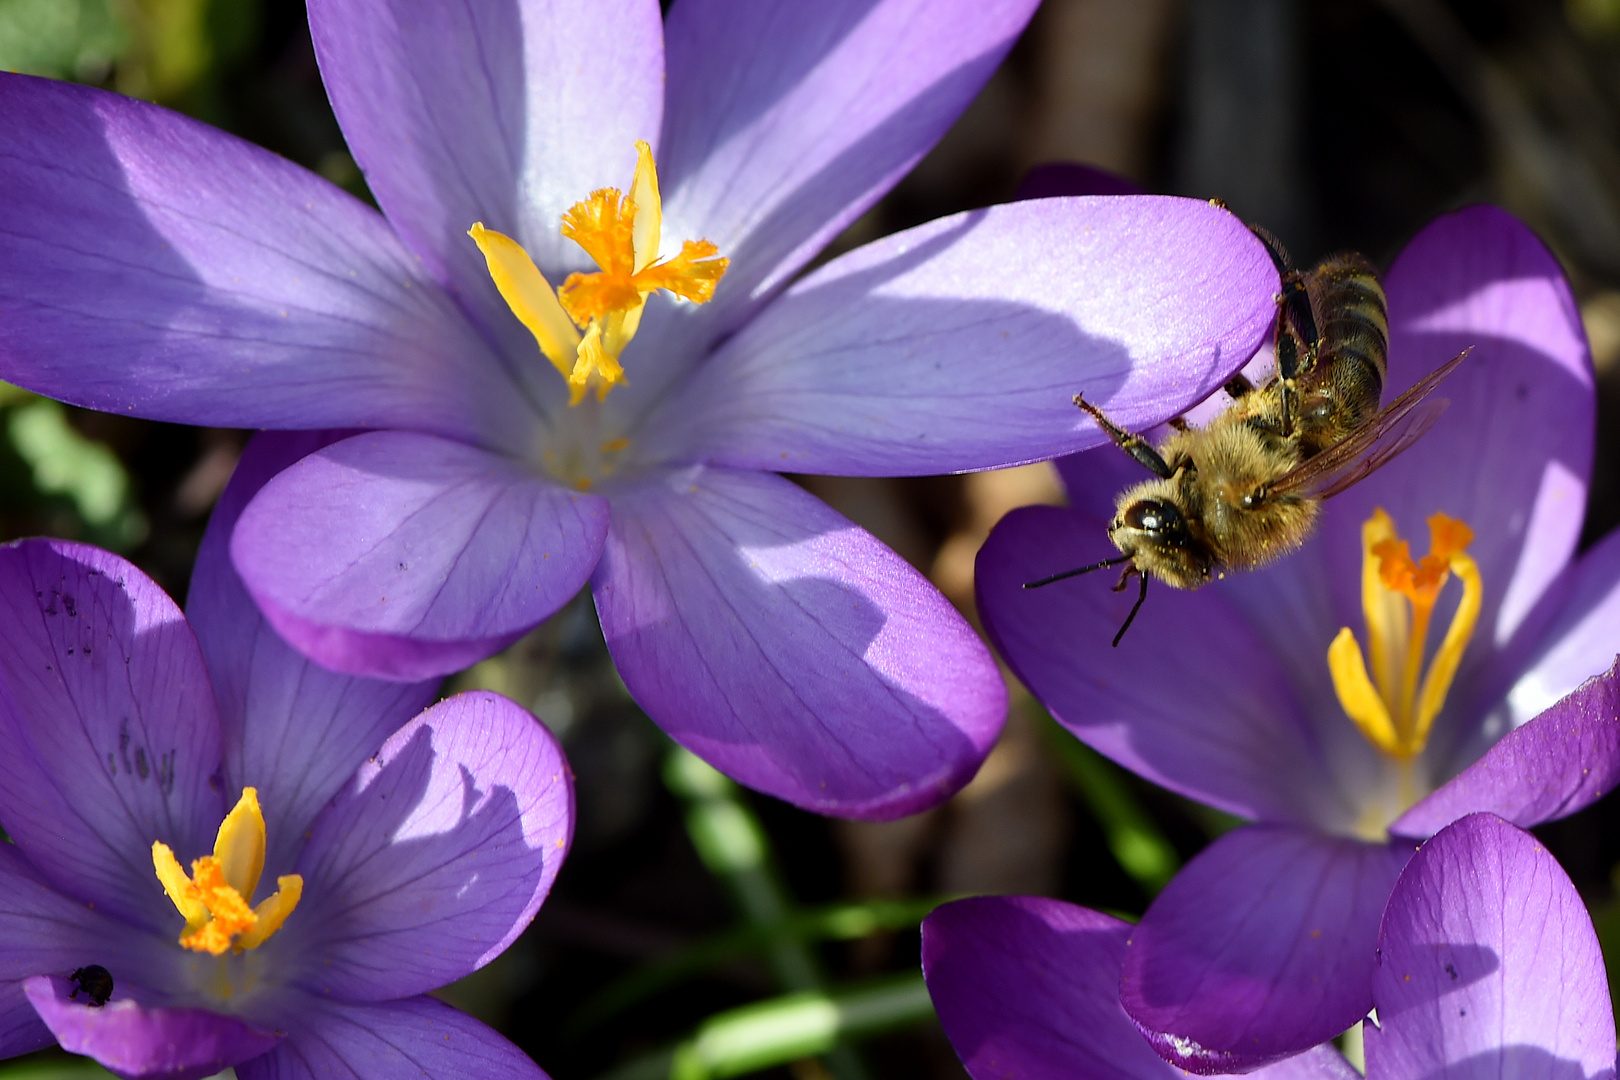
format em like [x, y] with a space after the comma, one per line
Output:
[506, 113]
[1580, 643]
[790, 649]
[1225, 730]
[402, 556]
[415, 1037]
[108, 720]
[1488, 965]
[960, 344]
[292, 729]
[1028, 987]
[1565, 759]
[438, 854]
[1510, 456]
[784, 122]
[155, 266]
[133, 1039]
[1261, 947]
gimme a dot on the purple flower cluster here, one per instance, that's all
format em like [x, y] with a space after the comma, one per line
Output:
[416, 841]
[153, 266]
[1242, 695]
[1487, 966]
[575, 349]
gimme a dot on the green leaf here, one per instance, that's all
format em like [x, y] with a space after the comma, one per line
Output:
[63, 39]
[785, 1029]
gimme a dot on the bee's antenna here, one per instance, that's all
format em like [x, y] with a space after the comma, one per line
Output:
[1140, 596]
[1076, 573]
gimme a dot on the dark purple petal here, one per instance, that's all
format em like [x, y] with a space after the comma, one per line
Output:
[1225, 730]
[21, 1029]
[790, 649]
[506, 113]
[1260, 948]
[1512, 453]
[402, 556]
[1056, 178]
[291, 729]
[784, 122]
[1029, 987]
[154, 266]
[413, 1037]
[1565, 759]
[960, 344]
[437, 856]
[1488, 966]
[111, 736]
[46, 931]
[133, 1039]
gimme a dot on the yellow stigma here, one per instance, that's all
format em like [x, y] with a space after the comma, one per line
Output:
[1396, 706]
[215, 898]
[622, 233]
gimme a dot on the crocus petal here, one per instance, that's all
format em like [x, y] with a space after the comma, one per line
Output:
[505, 113]
[1028, 987]
[133, 1039]
[292, 729]
[1488, 965]
[21, 1029]
[156, 266]
[437, 855]
[1233, 742]
[1563, 760]
[415, 1037]
[1580, 642]
[49, 931]
[1513, 451]
[961, 344]
[1261, 947]
[403, 556]
[111, 736]
[784, 122]
[790, 649]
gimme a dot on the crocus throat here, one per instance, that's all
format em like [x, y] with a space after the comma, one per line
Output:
[584, 326]
[1395, 707]
[215, 899]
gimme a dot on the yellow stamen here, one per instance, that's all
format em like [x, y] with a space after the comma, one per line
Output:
[529, 295]
[1398, 600]
[214, 898]
[622, 234]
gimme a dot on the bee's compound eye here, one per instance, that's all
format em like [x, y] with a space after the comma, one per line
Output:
[1151, 516]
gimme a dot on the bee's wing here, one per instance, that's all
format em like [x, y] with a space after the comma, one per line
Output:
[1373, 445]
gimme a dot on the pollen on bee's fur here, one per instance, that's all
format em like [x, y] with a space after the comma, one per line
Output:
[584, 325]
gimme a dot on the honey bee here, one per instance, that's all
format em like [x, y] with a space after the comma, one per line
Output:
[1246, 489]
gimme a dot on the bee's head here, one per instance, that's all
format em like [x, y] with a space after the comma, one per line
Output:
[1151, 527]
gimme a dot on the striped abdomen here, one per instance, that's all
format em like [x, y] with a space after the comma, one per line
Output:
[1352, 321]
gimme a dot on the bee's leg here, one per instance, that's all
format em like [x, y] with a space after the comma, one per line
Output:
[1237, 386]
[1179, 423]
[1134, 445]
[1274, 248]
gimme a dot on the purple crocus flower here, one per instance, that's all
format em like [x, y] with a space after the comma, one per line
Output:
[153, 266]
[1241, 695]
[1487, 966]
[370, 857]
